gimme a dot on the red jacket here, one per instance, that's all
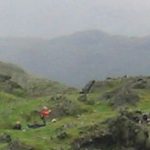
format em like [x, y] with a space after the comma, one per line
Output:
[45, 112]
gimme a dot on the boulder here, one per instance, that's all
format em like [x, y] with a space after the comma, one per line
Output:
[17, 145]
[5, 138]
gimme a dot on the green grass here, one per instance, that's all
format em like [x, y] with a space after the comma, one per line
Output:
[14, 108]
[144, 105]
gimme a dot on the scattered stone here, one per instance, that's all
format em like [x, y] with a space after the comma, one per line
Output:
[53, 120]
[82, 98]
[17, 145]
[5, 138]
[62, 135]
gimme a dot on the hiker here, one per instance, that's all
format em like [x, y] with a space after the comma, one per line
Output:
[44, 113]
[17, 126]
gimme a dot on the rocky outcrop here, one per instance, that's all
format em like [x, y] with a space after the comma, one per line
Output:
[120, 133]
[87, 87]
[121, 97]
[4, 78]
[141, 83]
[62, 106]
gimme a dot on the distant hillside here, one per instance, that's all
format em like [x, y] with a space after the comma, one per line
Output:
[80, 57]
[32, 85]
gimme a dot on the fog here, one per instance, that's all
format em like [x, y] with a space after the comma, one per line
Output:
[52, 18]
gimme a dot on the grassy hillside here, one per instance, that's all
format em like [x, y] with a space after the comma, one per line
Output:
[32, 85]
[78, 117]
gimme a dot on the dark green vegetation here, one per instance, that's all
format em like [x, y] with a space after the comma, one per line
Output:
[78, 58]
[107, 116]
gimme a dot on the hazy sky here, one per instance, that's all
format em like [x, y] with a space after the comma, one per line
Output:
[51, 18]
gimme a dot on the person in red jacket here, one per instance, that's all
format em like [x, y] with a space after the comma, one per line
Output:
[44, 113]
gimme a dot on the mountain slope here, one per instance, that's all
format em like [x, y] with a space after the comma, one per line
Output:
[32, 85]
[80, 57]
[93, 123]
